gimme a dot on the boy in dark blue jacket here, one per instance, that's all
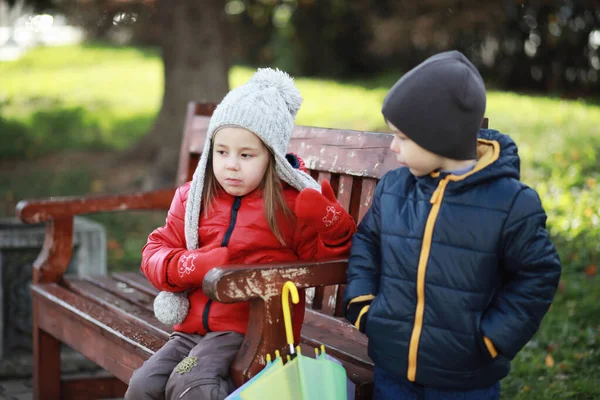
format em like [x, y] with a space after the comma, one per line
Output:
[451, 270]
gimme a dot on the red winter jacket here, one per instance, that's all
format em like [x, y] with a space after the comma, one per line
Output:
[249, 240]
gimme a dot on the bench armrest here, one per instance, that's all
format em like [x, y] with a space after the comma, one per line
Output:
[58, 213]
[261, 286]
[35, 211]
[245, 282]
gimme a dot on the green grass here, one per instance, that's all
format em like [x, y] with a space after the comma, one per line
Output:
[95, 97]
[83, 95]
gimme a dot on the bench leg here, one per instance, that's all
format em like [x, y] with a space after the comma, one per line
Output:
[92, 388]
[46, 363]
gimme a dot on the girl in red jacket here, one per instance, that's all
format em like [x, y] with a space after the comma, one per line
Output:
[248, 202]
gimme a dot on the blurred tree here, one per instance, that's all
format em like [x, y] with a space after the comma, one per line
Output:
[305, 37]
[329, 37]
[38, 5]
[193, 39]
[551, 47]
[405, 32]
[118, 21]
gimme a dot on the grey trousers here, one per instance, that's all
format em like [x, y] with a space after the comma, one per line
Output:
[187, 367]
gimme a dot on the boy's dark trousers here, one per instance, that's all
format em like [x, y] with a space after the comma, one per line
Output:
[389, 386]
[187, 367]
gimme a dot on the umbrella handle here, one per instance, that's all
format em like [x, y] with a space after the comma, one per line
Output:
[289, 288]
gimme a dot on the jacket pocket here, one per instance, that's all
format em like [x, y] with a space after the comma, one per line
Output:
[490, 347]
[486, 347]
[373, 309]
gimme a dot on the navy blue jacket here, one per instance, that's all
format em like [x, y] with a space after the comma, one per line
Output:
[461, 270]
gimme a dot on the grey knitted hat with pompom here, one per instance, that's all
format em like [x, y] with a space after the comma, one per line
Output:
[266, 106]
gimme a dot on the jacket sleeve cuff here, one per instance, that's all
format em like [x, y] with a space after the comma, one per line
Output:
[490, 346]
[366, 297]
[354, 309]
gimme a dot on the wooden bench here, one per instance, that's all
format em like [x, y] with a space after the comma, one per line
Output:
[109, 319]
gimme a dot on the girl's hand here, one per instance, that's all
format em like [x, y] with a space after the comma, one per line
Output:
[192, 266]
[322, 210]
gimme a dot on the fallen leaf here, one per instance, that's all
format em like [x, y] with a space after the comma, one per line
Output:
[575, 154]
[563, 366]
[551, 347]
[562, 287]
[591, 182]
[558, 157]
[112, 244]
[118, 253]
[591, 270]
[97, 186]
[549, 361]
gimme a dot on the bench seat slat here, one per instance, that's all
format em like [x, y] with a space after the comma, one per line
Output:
[122, 290]
[120, 305]
[98, 317]
[341, 338]
[136, 280]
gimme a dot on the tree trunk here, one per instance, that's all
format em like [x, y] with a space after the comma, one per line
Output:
[194, 36]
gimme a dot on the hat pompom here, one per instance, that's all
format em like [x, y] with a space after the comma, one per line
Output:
[171, 308]
[268, 77]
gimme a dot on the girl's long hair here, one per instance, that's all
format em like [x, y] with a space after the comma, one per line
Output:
[275, 206]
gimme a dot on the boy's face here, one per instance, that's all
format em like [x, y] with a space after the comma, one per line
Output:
[239, 160]
[419, 161]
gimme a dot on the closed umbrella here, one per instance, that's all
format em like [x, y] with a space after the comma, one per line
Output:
[302, 377]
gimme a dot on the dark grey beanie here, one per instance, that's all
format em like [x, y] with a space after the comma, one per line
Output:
[439, 105]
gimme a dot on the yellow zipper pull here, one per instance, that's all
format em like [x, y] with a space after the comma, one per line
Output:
[438, 192]
[434, 196]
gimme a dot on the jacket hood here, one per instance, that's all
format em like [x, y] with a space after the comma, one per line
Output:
[497, 157]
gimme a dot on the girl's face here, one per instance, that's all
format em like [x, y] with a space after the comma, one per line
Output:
[239, 160]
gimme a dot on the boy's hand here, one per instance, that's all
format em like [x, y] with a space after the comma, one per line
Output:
[357, 311]
[322, 211]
